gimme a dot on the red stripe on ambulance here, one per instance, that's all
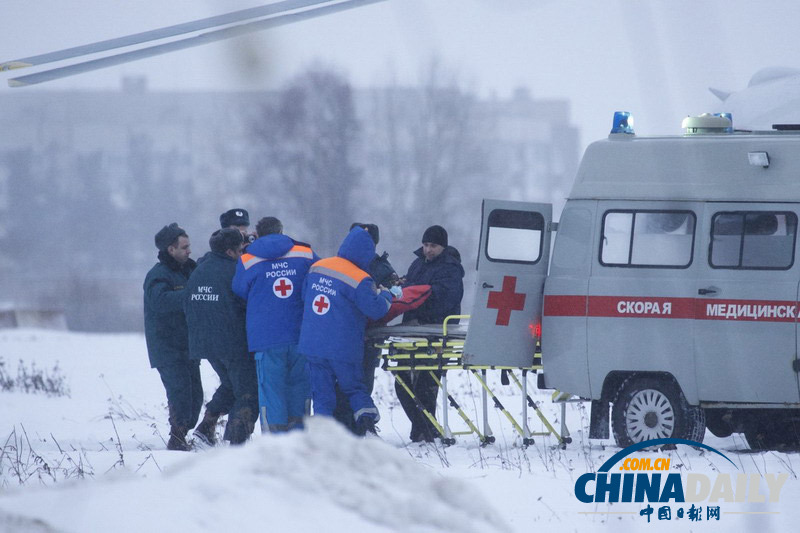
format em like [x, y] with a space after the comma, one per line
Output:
[660, 307]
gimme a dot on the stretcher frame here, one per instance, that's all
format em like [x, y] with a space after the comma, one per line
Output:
[440, 348]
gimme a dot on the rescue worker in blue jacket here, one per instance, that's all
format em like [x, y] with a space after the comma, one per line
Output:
[438, 265]
[270, 278]
[383, 274]
[216, 320]
[339, 297]
[167, 335]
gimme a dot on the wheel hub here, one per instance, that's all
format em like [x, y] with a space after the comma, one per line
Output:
[649, 415]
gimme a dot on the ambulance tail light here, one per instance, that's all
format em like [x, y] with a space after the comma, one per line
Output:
[623, 123]
[535, 330]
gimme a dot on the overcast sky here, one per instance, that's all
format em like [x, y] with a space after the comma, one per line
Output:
[655, 59]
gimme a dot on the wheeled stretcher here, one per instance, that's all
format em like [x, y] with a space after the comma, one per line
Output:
[439, 348]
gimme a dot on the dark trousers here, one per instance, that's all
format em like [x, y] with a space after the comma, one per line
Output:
[343, 413]
[426, 390]
[184, 393]
[236, 396]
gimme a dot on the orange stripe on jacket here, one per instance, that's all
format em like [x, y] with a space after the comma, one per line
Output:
[299, 251]
[249, 260]
[341, 266]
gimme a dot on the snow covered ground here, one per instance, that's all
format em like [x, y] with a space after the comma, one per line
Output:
[96, 461]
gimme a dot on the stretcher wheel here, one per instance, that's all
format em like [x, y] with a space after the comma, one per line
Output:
[448, 442]
[527, 442]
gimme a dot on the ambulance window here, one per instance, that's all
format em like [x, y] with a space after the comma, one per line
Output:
[757, 240]
[514, 236]
[647, 239]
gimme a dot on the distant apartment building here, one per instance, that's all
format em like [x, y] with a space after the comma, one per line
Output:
[86, 178]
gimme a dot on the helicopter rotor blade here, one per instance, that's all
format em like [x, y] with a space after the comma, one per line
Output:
[161, 33]
[181, 44]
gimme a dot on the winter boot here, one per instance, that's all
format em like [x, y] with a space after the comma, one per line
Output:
[177, 440]
[205, 432]
[365, 426]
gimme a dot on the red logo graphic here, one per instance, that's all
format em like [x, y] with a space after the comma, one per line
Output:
[321, 304]
[283, 287]
[506, 300]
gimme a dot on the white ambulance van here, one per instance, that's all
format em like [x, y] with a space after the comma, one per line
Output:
[670, 299]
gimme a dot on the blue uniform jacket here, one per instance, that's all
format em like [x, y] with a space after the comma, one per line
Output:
[339, 296]
[270, 277]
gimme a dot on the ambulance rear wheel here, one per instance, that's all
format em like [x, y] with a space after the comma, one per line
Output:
[649, 408]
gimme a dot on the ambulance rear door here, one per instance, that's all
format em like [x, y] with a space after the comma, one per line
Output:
[512, 266]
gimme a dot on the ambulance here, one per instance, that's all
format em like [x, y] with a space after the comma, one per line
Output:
[670, 298]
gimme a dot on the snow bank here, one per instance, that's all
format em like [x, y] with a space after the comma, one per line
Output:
[316, 480]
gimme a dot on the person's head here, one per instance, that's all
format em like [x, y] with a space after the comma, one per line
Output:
[228, 241]
[173, 240]
[269, 226]
[434, 241]
[372, 229]
[235, 218]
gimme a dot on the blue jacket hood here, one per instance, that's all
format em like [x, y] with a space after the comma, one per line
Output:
[358, 248]
[271, 246]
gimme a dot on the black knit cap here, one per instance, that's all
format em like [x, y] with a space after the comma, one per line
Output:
[435, 235]
[234, 217]
[372, 229]
[226, 239]
[168, 235]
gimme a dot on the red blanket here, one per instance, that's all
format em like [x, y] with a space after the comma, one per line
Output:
[413, 297]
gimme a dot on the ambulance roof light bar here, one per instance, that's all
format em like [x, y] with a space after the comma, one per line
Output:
[623, 123]
[708, 124]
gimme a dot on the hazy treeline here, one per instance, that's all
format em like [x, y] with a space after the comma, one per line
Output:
[82, 201]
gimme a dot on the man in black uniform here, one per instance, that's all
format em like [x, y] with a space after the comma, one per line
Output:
[240, 219]
[166, 333]
[216, 320]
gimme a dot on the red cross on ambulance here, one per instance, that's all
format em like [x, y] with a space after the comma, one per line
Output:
[283, 287]
[321, 304]
[506, 300]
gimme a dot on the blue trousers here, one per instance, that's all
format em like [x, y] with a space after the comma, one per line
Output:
[184, 393]
[326, 374]
[283, 385]
[343, 414]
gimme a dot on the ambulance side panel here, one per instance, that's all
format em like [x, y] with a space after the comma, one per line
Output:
[746, 313]
[641, 293]
[564, 353]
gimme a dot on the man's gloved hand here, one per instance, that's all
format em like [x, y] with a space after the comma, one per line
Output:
[396, 291]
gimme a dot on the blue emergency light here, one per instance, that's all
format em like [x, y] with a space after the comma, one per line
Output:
[623, 122]
[729, 116]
